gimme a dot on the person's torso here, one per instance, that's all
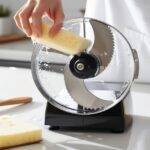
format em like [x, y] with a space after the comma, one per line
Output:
[132, 18]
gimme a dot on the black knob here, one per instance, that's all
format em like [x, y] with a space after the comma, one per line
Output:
[84, 66]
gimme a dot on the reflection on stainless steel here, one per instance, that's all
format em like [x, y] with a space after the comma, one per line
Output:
[80, 94]
[136, 60]
[103, 47]
[113, 87]
[53, 67]
[54, 51]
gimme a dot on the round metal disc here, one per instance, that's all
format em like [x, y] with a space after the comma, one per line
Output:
[86, 96]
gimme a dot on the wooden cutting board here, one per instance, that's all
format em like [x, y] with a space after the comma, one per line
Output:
[12, 37]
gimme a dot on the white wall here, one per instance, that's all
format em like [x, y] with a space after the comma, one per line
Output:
[13, 5]
[72, 7]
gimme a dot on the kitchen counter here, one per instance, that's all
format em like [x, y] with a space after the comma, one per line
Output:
[16, 54]
[18, 82]
[19, 50]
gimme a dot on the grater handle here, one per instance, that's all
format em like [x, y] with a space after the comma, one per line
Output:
[136, 61]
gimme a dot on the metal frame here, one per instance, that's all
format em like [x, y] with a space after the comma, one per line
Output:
[73, 111]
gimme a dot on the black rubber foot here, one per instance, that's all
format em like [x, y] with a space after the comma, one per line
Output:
[117, 130]
[54, 127]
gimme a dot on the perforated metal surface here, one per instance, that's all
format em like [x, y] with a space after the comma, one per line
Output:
[89, 96]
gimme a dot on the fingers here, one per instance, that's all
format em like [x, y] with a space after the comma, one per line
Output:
[58, 20]
[50, 13]
[55, 29]
[36, 18]
[17, 19]
[22, 17]
[29, 17]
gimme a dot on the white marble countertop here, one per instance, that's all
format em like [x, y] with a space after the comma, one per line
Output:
[18, 82]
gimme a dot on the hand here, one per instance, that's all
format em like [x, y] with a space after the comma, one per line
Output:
[34, 10]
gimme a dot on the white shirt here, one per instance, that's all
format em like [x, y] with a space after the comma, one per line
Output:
[132, 18]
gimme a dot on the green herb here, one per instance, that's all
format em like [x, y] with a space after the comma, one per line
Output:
[4, 11]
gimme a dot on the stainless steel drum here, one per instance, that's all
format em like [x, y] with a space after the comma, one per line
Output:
[116, 66]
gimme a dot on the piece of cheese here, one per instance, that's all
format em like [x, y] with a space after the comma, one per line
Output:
[64, 41]
[15, 133]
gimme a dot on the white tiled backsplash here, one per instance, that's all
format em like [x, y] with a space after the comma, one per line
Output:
[71, 7]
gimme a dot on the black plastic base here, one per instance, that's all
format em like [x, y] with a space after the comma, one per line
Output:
[113, 119]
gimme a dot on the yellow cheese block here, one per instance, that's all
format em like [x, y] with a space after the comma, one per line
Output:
[14, 133]
[65, 41]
